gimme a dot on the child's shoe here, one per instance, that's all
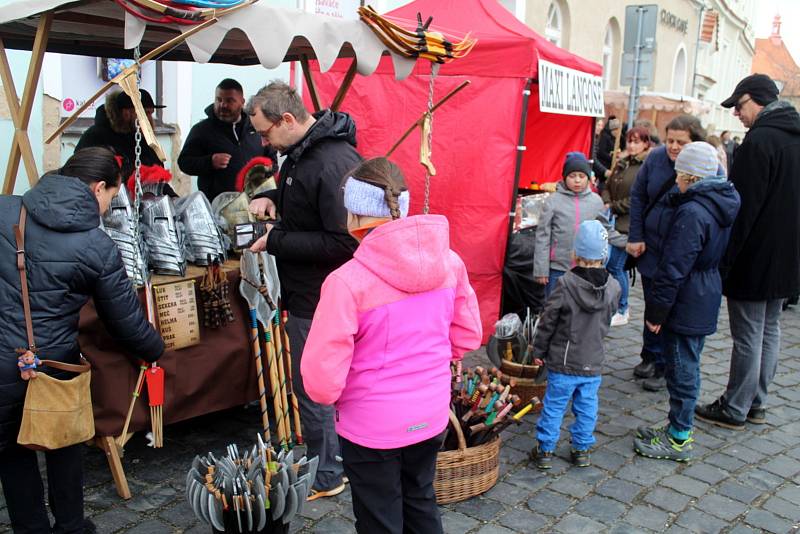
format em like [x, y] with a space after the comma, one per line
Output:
[581, 458]
[543, 459]
[620, 319]
[664, 447]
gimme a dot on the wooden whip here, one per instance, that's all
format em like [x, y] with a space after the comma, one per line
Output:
[262, 390]
[274, 381]
[287, 352]
[278, 346]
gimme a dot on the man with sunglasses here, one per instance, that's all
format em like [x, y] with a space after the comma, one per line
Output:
[761, 266]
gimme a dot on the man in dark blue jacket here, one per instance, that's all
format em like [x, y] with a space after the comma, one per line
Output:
[311, 240]
[69, 259]
[219, 146]
[684, 301]
[761, 266]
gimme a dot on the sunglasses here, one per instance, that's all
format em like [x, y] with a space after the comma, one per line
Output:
[738, 105]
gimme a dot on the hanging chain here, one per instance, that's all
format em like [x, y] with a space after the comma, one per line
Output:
[426, 207]
[137, 174]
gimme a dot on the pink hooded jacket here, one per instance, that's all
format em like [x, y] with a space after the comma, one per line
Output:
[388, 324]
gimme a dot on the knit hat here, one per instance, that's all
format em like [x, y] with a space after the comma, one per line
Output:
[760, 87]
[361, 198]
[576, 161]
[591, 242]
[698, 159]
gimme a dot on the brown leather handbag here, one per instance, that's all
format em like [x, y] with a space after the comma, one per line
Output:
[57, 413]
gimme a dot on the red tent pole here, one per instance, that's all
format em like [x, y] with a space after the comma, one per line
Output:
[526, 93]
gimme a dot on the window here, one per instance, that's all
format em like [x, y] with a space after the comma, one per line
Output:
[679, 72]
[554, 24]
[608, 54]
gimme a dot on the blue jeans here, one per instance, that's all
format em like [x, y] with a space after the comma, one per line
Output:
[551, 281]
[652, 344]
[616, 267]
[561, 388]
[682, 371]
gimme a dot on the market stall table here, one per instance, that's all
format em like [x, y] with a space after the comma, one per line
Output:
[216, 374]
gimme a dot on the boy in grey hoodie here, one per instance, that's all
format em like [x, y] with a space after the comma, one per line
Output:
[569, 339]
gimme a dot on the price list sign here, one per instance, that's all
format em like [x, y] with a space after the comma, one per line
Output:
[177, 314]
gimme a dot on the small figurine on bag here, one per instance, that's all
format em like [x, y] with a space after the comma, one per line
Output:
[27, 362]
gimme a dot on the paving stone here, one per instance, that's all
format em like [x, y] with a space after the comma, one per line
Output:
[762, 445]
[601, 508]
[456, 523]
[648, 517]
[494, 529]
[767, 521]
[667, 499]
[319, 508]
[483, 509]
[761, 479]
[521, 520]
[550, 503]
[151, 526]
[783, 508]
[334, 524]
[578, 524]
[620, 490]
[179, 514]
[608, 460]
[685, 485]
[114, 519]
[507, 493]
[740, 492]
[791, 493]
[724, 461]
[571, 487]
[782, 466]
[721, 506]
[529, 478]
[744, 454]
[698, 521]
[743, 529]
[706, 473]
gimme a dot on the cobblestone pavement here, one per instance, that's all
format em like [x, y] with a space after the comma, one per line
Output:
[738, 481]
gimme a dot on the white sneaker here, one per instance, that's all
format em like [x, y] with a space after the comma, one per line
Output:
[619, 319]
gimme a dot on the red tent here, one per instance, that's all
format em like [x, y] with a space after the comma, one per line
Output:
[475, 134]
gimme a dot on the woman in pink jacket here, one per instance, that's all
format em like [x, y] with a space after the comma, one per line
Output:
[388, 324]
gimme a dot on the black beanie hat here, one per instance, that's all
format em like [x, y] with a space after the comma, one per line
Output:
[576, 161]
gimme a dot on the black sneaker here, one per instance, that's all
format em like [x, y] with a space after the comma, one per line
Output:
[757, 416]
[657, 382]
[718, 414]
[581, 458]
[543, 459]
[644, 370]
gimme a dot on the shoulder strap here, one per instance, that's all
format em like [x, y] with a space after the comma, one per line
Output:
[663, 191]
[19, 234]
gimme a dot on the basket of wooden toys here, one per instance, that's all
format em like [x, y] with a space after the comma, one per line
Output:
[468, 463]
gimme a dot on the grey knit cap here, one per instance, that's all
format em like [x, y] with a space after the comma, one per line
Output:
[361, 198]
[698, 159]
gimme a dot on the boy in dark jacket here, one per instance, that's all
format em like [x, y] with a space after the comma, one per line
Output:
[687, 291]
[569, 338]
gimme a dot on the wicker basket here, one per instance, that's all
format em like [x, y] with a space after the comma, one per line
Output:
[524, 376]
[468, 471]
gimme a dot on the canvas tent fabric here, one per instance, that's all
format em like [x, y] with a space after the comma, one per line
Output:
[255, 34]
[475, 135]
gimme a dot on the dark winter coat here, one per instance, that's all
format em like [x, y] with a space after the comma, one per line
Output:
[617, 192]
[312, 240]
[576, 318]
[68, 260]
[108, 130]
[763, 257]
[211, 136]
[687, 288]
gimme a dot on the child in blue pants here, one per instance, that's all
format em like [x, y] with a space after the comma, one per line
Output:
[569, 339]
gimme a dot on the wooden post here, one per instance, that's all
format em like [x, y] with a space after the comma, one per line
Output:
[21, 111]
[312, 87]
[115, 464]
[346, 83]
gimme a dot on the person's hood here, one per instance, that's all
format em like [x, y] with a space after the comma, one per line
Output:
[409, 254]
[329, 125]
[562, 188]
[779, 114]
[717, 195]
[108, 115]
[587, 287]
[63, 204]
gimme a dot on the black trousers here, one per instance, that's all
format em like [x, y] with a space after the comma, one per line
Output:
[24, 490]
[393, 488]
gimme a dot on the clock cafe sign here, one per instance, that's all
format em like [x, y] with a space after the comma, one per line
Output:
[673, 21]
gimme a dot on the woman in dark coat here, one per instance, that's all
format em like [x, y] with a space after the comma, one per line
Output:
[69, 259]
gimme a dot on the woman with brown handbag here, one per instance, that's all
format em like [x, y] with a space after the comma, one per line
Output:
[67, 259]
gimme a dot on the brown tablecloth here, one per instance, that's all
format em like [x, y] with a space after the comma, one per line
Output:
[216, 374]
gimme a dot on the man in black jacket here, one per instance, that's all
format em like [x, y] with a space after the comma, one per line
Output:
[761, 266]
[68, 259]
[311, 239]
[218, 147]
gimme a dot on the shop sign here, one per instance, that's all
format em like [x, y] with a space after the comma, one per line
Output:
[176, 306]
[340, 9]
[673, 21]
[569, 92]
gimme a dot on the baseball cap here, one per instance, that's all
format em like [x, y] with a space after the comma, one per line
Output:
[125, 102]
[591, 241]
[760, 87]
